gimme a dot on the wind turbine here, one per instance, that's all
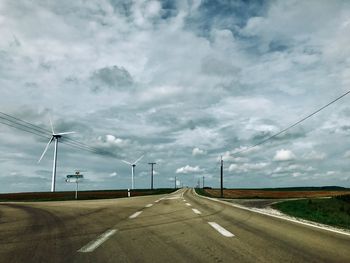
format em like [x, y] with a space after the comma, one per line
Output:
[54, 137]
[133, 169]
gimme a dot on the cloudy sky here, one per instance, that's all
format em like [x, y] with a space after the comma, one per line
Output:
[182, 82]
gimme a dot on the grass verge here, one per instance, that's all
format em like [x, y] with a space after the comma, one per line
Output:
[333, 211]
[202, 191]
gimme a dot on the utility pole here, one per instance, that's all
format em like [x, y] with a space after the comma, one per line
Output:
[203, 182]
[175, 182]
[222, 177]
[152, 174]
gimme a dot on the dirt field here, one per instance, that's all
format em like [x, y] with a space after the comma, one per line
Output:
[233, 193]
[82, 195]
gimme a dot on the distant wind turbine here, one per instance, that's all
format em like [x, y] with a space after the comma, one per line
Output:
[54, 137]
[133, 169]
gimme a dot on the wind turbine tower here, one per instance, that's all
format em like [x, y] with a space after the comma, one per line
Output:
[54, 137]
[133, 165]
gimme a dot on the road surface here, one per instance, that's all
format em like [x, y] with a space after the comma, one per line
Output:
[179, 227]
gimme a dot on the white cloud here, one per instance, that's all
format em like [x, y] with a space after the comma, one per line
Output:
[113, 174]
[347, 154]
[197, 152]
[293, 168]
[313, 155]
[228, 156]
[189, 169]
[111, 140]
[141, 56]
[233, 167]
[244, 150]
[284, 155]
[297, 174]
[246, 167]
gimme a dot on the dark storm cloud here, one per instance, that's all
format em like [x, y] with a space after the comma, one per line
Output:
[224, 14]
[111, 77]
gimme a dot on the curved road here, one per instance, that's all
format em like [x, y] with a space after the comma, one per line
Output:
[179, 227]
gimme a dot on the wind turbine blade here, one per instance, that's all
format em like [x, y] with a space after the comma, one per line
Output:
[63, 133]
[47, 146]
[53, 132]
[138, 159]
[126, 162]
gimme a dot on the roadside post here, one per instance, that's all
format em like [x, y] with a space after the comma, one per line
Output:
[75, 178]
[222, 178]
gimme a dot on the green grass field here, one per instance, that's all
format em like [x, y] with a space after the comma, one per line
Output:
[333, 211]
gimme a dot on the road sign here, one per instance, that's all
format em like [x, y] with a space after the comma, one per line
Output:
[77, 176]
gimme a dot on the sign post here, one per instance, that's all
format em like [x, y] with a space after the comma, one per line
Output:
[75, 178]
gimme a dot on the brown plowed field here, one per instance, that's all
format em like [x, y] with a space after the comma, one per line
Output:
[83, 195]
[232, 193]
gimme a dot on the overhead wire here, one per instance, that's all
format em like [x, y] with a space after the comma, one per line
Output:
[23, 129]
[40, 129]
[292, 125]
[22, 125]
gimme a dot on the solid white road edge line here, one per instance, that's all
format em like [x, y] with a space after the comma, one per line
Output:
[91, 246]
[221, 230]
[135, 214]
[276, 216]
[149, 205]
[196, 211]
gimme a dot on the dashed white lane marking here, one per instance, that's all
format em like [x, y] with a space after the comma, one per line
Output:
[196, 211]
[91, 246]
[135, 214]
[184, 200]
[221, 230]
[149, 205]
[310, 224]
[188, 204]
[157, 201]
[173, 197]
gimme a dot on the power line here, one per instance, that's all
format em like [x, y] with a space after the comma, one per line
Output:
[22, 125]
[78, 144]
[36, 128]
[292, 125]
[29, 131]
[19, 121]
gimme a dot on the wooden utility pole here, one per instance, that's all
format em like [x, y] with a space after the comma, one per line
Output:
[222, 178]
[152, 174]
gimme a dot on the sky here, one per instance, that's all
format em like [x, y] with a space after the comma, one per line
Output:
[183, 82]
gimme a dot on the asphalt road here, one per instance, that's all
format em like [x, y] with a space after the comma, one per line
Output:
[180, 227]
